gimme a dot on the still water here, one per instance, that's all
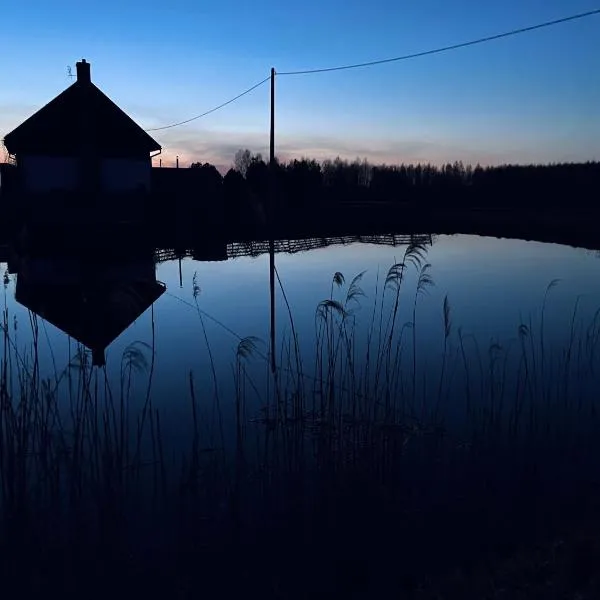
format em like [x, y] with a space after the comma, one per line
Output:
[206, 307]
[497, 337]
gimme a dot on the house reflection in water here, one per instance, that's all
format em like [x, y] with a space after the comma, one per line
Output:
[90, 299]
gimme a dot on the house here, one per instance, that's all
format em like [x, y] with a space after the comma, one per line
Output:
[82, 142]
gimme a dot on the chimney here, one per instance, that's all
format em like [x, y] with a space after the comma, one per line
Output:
[83, 71]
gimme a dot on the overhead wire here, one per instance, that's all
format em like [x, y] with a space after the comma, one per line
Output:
[404, 57]
[481, 40]
[212, 110]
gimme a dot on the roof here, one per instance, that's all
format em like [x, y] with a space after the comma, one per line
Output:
[55, 128]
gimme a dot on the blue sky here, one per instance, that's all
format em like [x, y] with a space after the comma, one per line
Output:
[530, 98]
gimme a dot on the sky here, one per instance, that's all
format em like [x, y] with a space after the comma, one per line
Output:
[529, 98]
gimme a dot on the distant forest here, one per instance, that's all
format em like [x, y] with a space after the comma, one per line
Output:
[306, 183]
[304, 193]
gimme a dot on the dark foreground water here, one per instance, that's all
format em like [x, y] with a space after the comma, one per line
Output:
[465, 365]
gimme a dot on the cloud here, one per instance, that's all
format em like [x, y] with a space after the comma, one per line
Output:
[194, 143]
[219, 148]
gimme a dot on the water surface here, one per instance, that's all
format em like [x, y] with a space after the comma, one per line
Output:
[492, 286]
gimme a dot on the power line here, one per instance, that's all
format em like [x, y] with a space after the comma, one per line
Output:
[447, 48]
[389, 60]
[212, 110]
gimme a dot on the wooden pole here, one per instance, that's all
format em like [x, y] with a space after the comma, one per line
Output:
[271, 219]
[272, 140]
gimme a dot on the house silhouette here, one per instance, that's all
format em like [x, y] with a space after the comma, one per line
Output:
[82, 142]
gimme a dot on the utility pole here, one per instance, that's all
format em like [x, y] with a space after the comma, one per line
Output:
[272, 140]
[271, 219]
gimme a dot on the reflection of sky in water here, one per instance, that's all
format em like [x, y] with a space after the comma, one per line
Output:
[490, 284]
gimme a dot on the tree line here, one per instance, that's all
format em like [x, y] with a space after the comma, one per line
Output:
[307, 183]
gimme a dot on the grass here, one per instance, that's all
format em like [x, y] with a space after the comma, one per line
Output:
[374, 466]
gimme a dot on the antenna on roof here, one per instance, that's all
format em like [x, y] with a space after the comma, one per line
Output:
[70, 72]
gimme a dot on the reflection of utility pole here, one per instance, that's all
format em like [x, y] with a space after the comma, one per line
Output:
[271, 219]
[180, 275]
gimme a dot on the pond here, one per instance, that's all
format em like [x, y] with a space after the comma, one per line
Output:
[495, 290]
[454, 376]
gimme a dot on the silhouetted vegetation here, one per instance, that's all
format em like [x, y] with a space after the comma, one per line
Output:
[305, 182]
[307, 194]
[307, 191]
[8, 179]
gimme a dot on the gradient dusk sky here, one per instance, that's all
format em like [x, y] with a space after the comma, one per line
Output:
[529, 98]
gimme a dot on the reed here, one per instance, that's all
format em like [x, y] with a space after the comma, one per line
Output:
[381, 443]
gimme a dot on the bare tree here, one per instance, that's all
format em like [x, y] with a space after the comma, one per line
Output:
[5, 157]
[243, 159]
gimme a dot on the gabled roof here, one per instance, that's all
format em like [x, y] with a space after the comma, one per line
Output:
[56, 129]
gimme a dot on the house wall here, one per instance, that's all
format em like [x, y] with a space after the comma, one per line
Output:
[48, 173]
[125, 174]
